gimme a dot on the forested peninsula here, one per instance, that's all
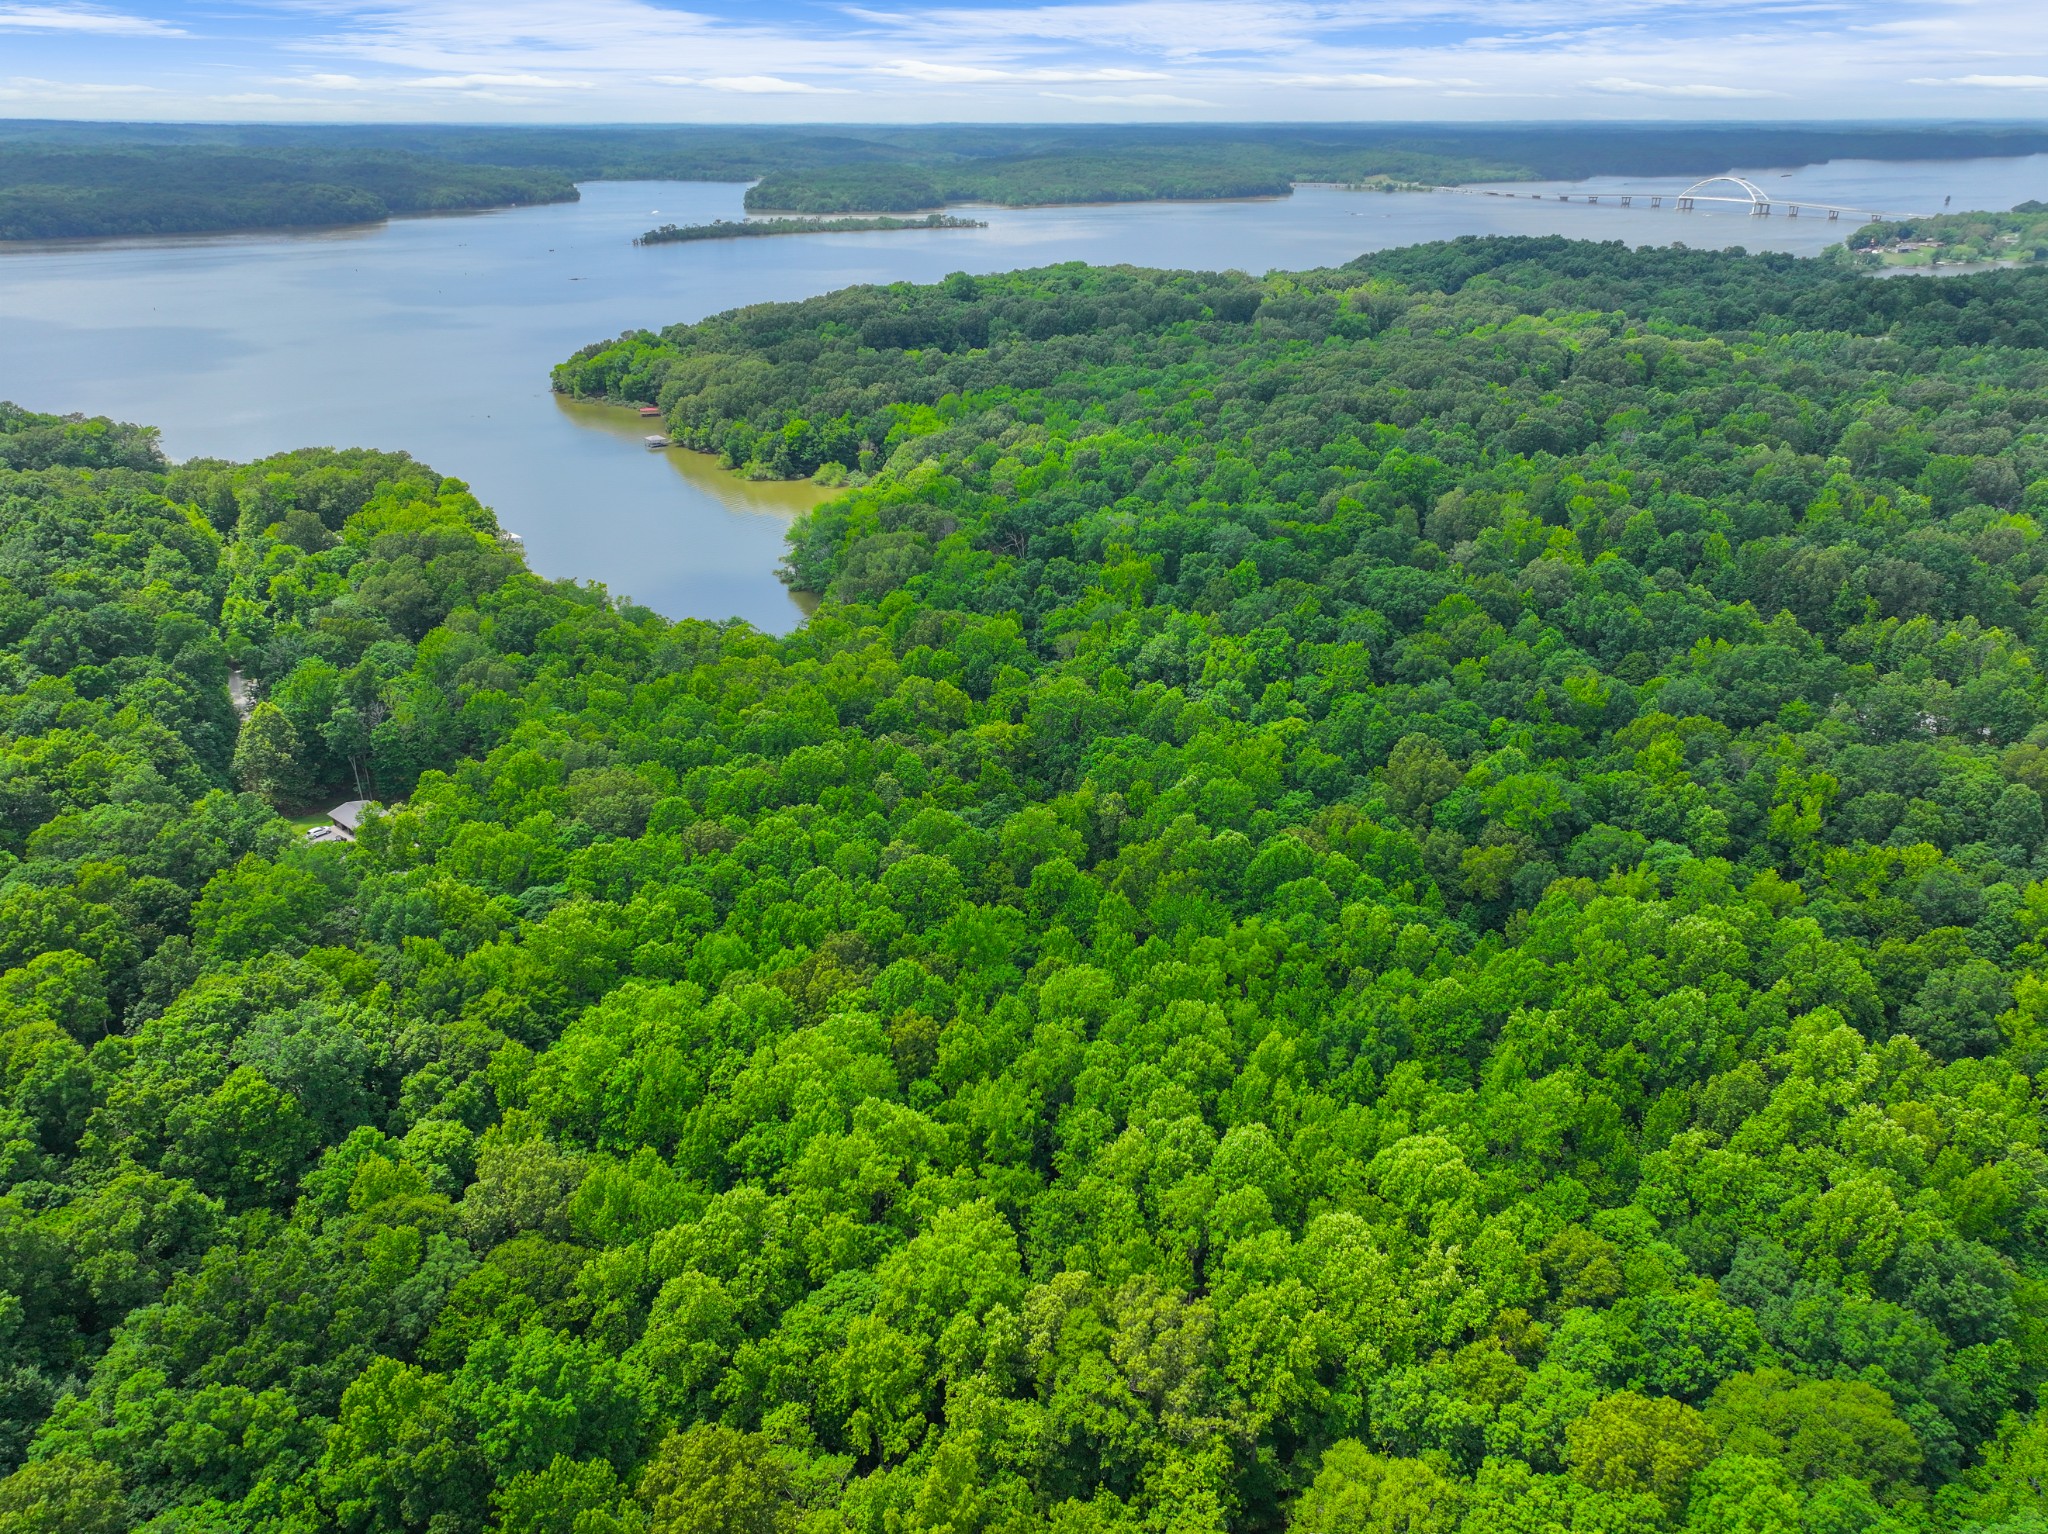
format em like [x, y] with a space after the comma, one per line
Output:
[53, 192]
[1412, 897]
[81, 179]
[2017, 237]
[766, 228]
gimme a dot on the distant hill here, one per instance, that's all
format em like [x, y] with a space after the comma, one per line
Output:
[57, 191]
[81, 179]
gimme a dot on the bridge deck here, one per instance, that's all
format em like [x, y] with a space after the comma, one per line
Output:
[1761, 205]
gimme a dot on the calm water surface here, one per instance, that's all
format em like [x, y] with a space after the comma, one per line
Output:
[436, 335]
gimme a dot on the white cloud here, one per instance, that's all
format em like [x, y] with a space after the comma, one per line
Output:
[625, 60]
[974, 74]
[1141, 99]
[1678, 90]
[1368, 82]
[1992, 82]
[474, 82]
[74, 18]
[19, 86]
[769, 85]
[1173, 28]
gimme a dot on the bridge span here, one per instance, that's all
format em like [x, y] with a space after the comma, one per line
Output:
[1731, 191]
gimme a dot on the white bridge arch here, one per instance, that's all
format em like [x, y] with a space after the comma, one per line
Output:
[1751, 192]
[1747, 191]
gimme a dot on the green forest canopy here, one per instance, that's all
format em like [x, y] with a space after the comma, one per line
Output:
[152, 178]
[48, 191]
[1403, 898]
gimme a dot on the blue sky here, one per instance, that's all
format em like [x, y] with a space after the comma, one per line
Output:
[1048, 60]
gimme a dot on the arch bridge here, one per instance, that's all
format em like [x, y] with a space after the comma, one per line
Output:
[1739, 191]
[1730, 190]
[1748, 191]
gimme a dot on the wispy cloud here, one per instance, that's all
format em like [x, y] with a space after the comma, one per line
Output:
[1361, 82]
[976, 74]
[1169, 28]
[471, 82]
[769, 85]
[79, 18]
[28, 86]
[1991, 82]
[476, 82]
[774, 60]
[1141, 99]
[1678, 90]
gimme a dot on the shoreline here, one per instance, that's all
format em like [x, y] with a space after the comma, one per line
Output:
[57, 242]
[769, 227]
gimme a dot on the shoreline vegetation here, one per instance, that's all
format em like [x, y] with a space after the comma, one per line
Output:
[83, 180]
[2017, 238]
[765, 228]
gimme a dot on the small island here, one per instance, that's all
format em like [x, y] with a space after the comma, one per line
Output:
[1952, 239]
[761, 228]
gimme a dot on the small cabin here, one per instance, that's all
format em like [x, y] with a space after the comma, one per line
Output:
[345, 819]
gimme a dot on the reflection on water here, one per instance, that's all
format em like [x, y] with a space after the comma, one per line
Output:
[783, 499]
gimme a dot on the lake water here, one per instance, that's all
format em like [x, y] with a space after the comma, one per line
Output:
[435, 335]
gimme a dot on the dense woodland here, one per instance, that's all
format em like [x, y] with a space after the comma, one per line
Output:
[52, 191]
[1410, 898]
[60, 178]
[1088, 174]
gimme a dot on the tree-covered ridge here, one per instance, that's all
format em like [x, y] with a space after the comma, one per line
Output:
[1408, 898]
[1089, 173]
[49, 192]
[82, 178]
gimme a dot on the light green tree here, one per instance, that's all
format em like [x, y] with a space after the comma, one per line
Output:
[1635, 1443]
[63, 1495]
[1359, 1492]
[267, 755]
[712, 1479]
